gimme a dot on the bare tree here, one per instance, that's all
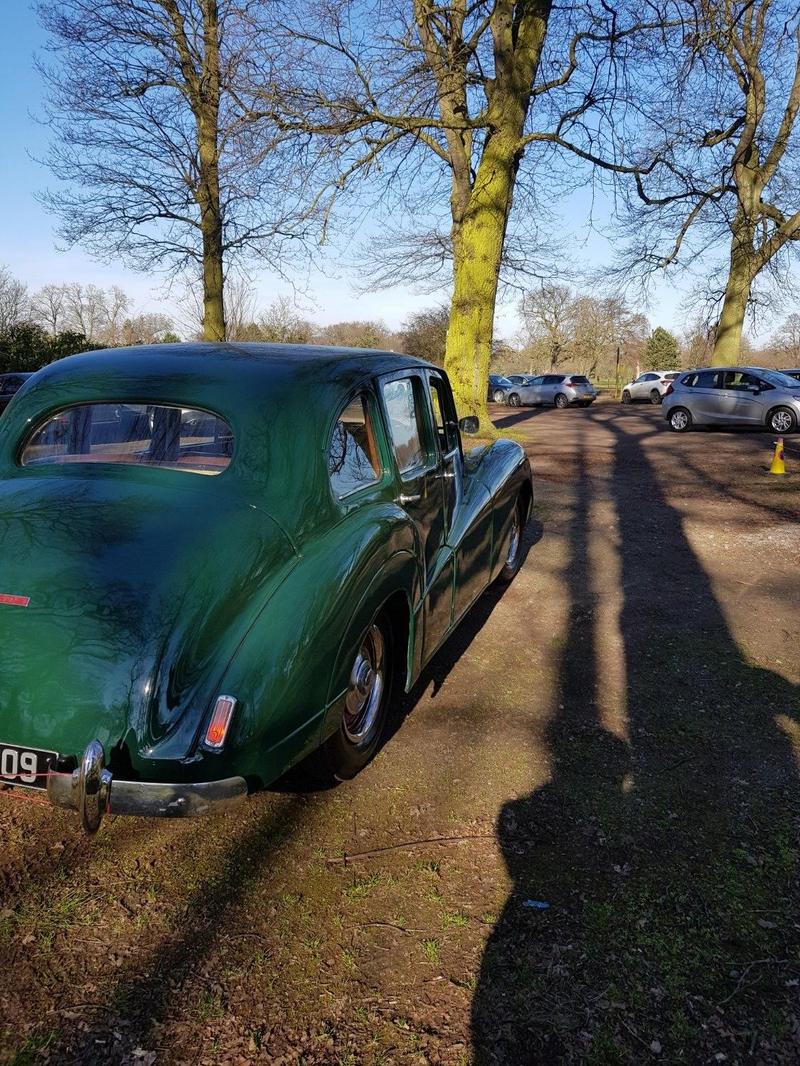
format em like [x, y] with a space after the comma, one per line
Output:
[434, 102]
[166, 163]
[787, 340]
[549, 317]
[361, 334]
[13, 299]
[148, 327]
[281, 324]
[86, 308]
[722, 98]
[48, 308]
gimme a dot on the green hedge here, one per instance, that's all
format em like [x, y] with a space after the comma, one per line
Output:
[26, 346]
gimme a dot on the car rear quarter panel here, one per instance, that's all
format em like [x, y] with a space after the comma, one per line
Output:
[296, 658]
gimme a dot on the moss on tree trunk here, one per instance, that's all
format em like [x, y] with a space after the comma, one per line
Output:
[477, 251]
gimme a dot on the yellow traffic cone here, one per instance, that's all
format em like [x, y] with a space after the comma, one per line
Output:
[778, 466]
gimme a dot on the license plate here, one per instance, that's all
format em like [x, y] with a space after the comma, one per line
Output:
[25, 766]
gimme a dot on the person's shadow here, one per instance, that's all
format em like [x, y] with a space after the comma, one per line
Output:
[665, 855]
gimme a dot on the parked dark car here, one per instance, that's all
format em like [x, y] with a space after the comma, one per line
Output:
[10, 384]
[498, 388]
[212, 571]
[793, 373]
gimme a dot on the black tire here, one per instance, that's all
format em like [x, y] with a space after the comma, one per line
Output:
[561, 401]
[680, 420]
[626, 396]
[499, 396]
[655, 397]
[356, 741]
[781, 420]
[514, 558]
[514, 400]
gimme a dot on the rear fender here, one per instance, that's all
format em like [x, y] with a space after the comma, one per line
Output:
[397, 584]
[283, 674]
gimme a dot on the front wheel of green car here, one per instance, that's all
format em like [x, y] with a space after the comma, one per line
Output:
[366, 705]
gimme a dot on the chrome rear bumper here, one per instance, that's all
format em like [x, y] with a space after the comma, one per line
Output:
[92, 791]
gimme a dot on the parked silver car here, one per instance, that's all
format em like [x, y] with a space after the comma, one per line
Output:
[733, 396]
[651, 386]
[562, 390]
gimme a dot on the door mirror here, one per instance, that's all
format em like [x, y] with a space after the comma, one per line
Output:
[469, 425]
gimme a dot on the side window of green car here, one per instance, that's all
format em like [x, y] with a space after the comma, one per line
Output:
[353, 456]
[404, 412]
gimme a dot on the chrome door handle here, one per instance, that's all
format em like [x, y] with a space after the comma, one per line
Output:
[409, 499]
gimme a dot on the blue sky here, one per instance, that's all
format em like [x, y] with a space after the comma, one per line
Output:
[28, 245]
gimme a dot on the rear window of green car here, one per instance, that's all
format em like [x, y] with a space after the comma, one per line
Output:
[160, 435]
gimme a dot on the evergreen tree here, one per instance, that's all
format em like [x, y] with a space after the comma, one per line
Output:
[662, 352]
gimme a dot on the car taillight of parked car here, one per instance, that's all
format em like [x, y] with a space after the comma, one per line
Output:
[670, 390]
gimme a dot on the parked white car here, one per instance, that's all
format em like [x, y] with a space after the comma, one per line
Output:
[651, 386]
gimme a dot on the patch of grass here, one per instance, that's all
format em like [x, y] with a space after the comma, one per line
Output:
[209, 1007]
[430, 949]
[454, 920]
[362, 887]
[29, 1053]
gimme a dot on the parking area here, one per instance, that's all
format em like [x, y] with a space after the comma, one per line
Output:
[580, 844]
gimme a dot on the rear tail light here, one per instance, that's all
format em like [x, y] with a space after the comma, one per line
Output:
[669, 391]
[220, 722]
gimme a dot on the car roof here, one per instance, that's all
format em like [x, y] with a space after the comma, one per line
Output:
[279, 399]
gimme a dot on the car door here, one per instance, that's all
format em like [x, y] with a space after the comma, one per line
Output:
[420, 479]
[737, 397]
[640, 390]
[468, 506]
[549, 387]
[532, 394]
[707, 397]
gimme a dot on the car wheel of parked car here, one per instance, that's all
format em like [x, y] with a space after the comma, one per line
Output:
[680, 420]
[514, 557]
[626, 396]
[514, 400]
[365, 709]
[498, 396]
[781, 420]
[561, 401]
[655, 396]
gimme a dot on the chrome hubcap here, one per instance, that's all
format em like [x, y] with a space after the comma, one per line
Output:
[364, 696]
[679, 420]
[516, 538]
[781, 421]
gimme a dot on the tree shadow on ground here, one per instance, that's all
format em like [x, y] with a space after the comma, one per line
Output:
[668, 855]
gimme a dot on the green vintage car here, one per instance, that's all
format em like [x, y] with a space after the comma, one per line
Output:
[218, 560]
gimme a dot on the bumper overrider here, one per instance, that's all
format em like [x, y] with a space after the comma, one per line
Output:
[92, 791]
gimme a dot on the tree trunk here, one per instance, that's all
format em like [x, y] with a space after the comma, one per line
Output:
[207, 114]
[728, 342]
[477, 252]
[213, 277]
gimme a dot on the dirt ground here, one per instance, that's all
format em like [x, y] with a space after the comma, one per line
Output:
[616, 736]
